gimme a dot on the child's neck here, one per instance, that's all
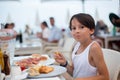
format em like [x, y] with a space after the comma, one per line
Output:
[85, 44]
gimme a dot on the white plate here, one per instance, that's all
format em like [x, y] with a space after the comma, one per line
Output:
[46, 62]
[51, 78]
[57, 71]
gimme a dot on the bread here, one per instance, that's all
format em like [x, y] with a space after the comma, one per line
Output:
[46, 69]
[43, 58]
[36, 70]
[57, 53]
[33, 72]
[36, 67]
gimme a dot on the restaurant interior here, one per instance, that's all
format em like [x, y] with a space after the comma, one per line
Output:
[28, 52]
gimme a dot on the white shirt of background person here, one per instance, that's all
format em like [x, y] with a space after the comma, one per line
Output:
[46, 33]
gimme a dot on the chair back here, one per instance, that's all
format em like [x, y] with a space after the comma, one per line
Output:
[61, 42]
[112, 59]
[68, 44]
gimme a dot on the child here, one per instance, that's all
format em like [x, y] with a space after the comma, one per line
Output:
[87, 57]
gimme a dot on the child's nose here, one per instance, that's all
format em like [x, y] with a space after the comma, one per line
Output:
[77, 30]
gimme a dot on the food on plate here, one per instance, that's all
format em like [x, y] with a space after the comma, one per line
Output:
[46, 69]
[36, 55]
[33, 71]
[43, 58]
[22, 68]
[28, 62]
[37, 70]
[39, 56]
[36, 67]
[57, 53]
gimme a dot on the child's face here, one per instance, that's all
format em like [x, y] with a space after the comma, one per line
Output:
[80, 32]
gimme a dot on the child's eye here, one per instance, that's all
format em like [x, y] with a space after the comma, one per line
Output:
[73, 28]
[81, 27]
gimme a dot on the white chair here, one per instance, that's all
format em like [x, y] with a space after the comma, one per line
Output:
[54, 46]
[112, 59]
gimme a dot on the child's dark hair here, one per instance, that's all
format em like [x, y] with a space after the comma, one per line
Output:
[84, 19]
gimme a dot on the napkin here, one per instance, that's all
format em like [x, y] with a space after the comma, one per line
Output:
[22, 76]
[52, 78]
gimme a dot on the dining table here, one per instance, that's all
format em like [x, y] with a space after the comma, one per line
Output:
[59, 73]
[107, 37]
[28, 47]
[63, 76]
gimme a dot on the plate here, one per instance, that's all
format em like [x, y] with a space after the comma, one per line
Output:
[57, 71]
[46, 62]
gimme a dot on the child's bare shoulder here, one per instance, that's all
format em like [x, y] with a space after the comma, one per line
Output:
[95, 49]
[95, 46]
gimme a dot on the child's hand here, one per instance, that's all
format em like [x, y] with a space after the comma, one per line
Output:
[59, 58]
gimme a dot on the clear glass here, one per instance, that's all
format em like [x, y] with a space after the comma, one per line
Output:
[11, 50]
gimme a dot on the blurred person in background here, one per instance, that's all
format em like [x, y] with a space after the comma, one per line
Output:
[115, 20]
[101, 28]
[6, 26]
[55, 33]
[9, 28]
[12, 25]
[45, 31]
[28, 30]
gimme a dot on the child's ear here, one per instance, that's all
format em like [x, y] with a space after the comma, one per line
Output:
[92, 31]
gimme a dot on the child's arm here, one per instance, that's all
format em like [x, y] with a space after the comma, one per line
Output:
[70, 69]
[63, 62]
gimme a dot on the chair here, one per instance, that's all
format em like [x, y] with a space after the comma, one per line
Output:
[112, 59]
[55, 47]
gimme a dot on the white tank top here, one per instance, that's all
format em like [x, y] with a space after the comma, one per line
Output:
[82, 67]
